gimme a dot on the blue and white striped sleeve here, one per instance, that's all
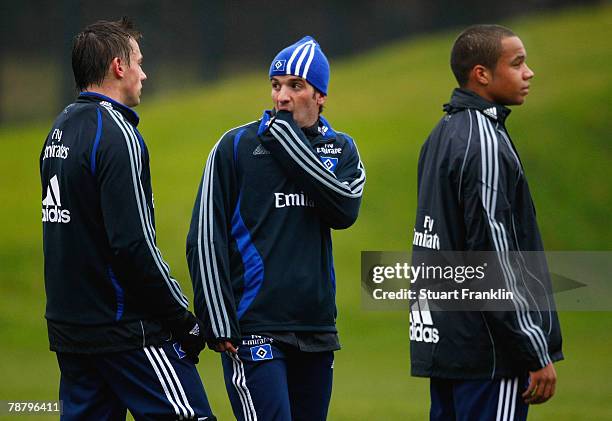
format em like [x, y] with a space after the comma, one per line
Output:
[208, 246]
[337, 195]
[485, 188]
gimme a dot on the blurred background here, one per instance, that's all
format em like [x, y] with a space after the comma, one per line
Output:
[190, 41]
[207, 66]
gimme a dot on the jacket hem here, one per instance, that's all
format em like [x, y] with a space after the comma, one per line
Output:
[251, 329]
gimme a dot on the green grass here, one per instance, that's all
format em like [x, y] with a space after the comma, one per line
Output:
[388, 100]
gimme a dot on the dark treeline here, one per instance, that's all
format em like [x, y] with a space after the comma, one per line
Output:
[187, 41]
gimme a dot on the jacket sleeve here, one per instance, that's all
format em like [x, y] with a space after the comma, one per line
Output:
[486, 184]
[208, 246]
[337, 195]
[121, 171]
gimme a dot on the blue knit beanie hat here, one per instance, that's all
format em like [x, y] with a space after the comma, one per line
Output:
[304, 59]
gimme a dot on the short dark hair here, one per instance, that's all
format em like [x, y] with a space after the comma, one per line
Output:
[478, 44]
[97, 45]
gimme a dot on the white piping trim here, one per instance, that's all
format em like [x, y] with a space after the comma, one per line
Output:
[209, 274]
[312, 165]
[162, 382]
[239, 382]
[500, 241]
[140, 204]
[500, 399]
[178, 383]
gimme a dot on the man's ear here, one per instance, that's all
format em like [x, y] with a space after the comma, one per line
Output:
[321, 99]
[117, 68]
[481, 75]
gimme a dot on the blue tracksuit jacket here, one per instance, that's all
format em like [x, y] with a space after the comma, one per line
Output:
[259, 248]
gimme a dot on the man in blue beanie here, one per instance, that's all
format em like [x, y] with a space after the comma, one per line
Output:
[259, 247]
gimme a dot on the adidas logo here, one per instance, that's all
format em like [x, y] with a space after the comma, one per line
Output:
[491, 112]
[421, 324]
[52, 211]
[260, 150]
[106, 104]
[195, 331]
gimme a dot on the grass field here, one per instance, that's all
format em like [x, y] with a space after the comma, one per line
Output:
[388, 100]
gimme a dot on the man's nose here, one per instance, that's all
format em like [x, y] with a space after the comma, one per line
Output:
[283, 95]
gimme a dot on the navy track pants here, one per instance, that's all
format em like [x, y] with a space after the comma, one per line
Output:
[153, 383]
[271, 383]
[478, 400]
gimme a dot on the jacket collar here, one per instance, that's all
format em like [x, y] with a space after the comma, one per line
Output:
[462, 99]
[112, 104]
[321, 128]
